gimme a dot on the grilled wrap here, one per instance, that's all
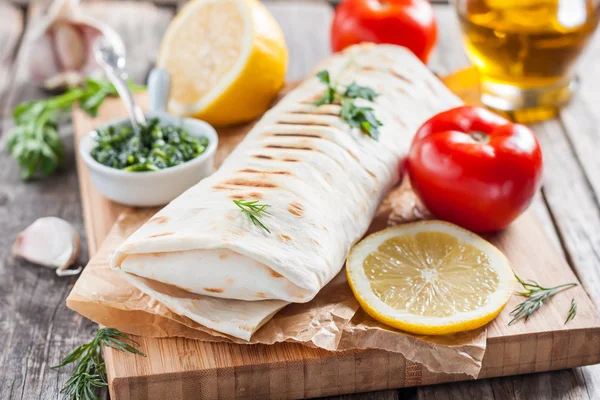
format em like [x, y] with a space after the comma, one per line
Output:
[322, 180]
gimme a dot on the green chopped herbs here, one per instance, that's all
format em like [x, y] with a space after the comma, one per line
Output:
[362, 118]
[253, 210]
[35, 142]
[572, 311]
[536, 296]
[150, 148]
[90, 373]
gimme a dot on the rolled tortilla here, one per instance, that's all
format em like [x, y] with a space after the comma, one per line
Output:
[205, 259]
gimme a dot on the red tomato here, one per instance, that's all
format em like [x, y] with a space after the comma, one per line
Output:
[408, 23]
[474, 168]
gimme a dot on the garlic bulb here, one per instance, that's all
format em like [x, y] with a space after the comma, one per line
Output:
[51, 242]
[60, 46]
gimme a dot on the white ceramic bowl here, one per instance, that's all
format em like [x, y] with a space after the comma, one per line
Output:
[152, 188]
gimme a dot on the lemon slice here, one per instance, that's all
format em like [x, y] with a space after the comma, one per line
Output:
[430, 278]
[227, 60]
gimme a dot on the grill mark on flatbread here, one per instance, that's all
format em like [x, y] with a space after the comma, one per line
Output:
[290, 160]
[311, 99]
[236, 233]
[159, 220]
[284, 238]
[262, 156]
[223, 187]
[399, 121]
[304, 135]
[317, 112]
[160, 234]
[261, 295]
[249, 183]
[366, 68]
[314, 242]
[275, 274]
[307, 122]
[398, 75]
[296, 209]
[281, 147]
[255, 171]
[213, 290]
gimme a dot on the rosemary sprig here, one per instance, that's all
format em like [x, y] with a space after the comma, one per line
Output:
[572, 311]
[253, 210]
[536, 296]
[90, 373]
[35, 142]
[362, 118]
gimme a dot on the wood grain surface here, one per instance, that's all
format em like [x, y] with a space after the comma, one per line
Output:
[37, 330]
[181, 367]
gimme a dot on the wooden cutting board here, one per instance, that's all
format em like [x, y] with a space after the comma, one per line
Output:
[177, 368]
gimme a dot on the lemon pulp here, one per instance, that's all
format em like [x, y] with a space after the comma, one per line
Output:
[430, 274]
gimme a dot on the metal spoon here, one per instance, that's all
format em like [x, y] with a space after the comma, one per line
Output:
[113, 64]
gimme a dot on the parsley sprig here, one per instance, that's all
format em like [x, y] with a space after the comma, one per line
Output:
[253, 210]
[35, 142]
[536, 296]
[90, 373]
[359, 117]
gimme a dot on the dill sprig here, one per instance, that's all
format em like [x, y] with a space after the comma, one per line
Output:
[253, 210]
[572, 311]
[359, 117]
[90, 373]
[536, 296]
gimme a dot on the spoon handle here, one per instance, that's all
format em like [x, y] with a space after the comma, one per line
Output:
[113, 63]
[135, 112]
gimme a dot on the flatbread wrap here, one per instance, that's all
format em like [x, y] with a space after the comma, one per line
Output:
[321, 179]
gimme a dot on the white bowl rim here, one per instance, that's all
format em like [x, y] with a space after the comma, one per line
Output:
[207, 130]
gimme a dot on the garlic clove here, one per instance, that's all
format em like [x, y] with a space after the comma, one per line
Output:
[69, 46]
[51, 242]
[60, 46]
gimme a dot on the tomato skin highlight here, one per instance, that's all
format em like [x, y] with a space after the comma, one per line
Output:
[408, 23]
[474, 168]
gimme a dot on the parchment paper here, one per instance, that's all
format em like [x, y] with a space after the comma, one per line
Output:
[333, 320]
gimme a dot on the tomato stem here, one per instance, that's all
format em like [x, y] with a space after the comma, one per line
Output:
[480, 137]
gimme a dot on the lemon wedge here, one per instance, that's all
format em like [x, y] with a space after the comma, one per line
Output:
[227, 60]
[430, 278]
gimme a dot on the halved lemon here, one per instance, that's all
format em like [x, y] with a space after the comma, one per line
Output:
[430, 278]
[227, 60]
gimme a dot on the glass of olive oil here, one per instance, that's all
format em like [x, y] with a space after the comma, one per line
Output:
[525, 51]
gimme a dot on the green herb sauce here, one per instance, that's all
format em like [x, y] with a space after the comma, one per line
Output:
[151, 148]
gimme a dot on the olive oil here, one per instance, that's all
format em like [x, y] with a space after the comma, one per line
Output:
[526, 45]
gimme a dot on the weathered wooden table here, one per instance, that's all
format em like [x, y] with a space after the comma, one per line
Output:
[37, 330]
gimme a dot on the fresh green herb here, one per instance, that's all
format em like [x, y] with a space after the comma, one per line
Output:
[90, 373]
[536, 296]
[362, 118]
[355, 91]
[149, 148]
[329, 96]
[572, 311]
[35, 142]
[253, 210]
